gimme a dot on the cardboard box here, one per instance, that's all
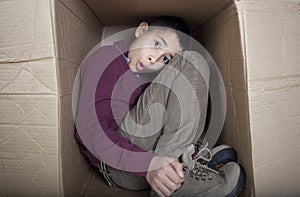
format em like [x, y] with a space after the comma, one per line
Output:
[256, 45]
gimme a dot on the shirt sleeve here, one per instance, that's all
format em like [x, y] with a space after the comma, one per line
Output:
[97, 127]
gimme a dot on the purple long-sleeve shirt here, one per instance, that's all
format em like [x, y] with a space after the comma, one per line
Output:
[108, 90]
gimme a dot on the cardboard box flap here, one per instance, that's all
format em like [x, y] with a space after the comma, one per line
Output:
[25, 30]
[271, 45]
[131, 12]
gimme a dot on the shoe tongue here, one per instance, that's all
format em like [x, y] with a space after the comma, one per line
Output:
[203, 154]
[192, 155]
[187, 156]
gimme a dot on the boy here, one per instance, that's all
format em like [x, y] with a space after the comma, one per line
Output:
[143, 147]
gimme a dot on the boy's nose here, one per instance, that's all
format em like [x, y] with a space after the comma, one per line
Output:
[151, 59]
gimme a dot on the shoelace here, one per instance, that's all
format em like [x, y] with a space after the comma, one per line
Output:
[202, 172]
[195, 162]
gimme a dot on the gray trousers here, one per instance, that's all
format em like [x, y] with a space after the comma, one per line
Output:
[169, 115]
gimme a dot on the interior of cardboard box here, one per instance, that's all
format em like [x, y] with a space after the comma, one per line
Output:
[215, 25]
[42, 46]
[255, 45]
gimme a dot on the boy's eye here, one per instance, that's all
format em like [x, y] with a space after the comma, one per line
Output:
[166, 59]
[157, 44]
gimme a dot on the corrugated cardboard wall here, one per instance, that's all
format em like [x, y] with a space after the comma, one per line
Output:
[28, 100]
[42, 43]
[41, 46]
[272, 45]
[261, 75]
[222, 38]
[77, 32]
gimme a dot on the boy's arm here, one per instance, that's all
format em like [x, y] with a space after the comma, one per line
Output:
[97, 131]
[93, 119]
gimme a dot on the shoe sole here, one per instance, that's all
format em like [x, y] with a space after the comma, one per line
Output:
[222, 155]
[241, 183]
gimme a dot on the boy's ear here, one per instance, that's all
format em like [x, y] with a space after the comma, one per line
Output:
[143, 26]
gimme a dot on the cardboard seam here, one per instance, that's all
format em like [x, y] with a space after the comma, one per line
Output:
[269, 89]
[30, 125]
[243, 40]
[99, 20]
[225, 7]
[28, 94]
[52, 4]
[101, 23]
[25, 61]
[201, 26]
[73, 13]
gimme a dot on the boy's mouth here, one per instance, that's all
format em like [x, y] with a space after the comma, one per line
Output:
[139, 66]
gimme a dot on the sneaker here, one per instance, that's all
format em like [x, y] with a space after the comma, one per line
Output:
[200, 180]
[220, 155]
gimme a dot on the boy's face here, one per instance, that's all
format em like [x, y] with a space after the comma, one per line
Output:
[152, 49]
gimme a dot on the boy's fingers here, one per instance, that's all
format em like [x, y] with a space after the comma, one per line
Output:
[167, 178]
[166, 187]
[178, 168]
[158, 192]
[173, 176]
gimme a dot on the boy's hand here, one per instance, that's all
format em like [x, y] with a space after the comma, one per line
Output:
[165, 175]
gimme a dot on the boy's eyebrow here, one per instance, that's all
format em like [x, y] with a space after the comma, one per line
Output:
[164, 41]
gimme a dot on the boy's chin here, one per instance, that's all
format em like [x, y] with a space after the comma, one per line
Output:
[136, 71]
